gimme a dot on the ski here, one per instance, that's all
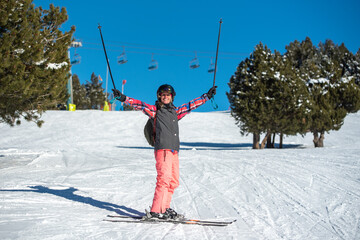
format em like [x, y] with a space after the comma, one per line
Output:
[212, 224]
[125, 216]
[139, 219]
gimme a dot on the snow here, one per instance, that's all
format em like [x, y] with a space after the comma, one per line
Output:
[53, 66]
[39, 62]
[277, 75]
[19, 51]
[56, 65]
[347, 79]
[318, 81]
[61, 180]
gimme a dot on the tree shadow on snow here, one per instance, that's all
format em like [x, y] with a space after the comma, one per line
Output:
[214, 146]
[69, 194]
[134, 147]
[200, 146]
[230, 146]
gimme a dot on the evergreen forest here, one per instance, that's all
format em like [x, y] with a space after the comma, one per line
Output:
[308, 89]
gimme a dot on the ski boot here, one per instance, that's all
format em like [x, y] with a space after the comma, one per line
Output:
[173, 215]
[153, 216]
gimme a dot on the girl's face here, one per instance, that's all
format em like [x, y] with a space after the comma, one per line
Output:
[166, 98]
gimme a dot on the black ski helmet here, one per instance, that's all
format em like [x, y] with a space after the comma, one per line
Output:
[166, 88]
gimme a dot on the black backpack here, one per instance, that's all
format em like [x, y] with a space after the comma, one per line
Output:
[149, 131]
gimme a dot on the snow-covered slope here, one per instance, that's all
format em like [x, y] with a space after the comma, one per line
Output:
[60, 181]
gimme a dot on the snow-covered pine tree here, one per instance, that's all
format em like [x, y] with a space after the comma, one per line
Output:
[348, 92]
[329, 74]
[267, 96]
[290, 96]
[34, 65]
[249, 94]
[342, 93]
[357, 68]
[244, 102]
[307, 88]
[307, 59]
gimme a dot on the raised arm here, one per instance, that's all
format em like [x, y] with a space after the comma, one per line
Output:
[147, 109]
[186, 108]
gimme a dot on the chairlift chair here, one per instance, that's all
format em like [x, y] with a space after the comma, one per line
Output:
[194, 63]
[76, 59]
[122, 58]
[76, 44]
[153, 64]
[211, 67]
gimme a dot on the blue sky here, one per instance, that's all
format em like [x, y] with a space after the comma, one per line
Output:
[174, 30]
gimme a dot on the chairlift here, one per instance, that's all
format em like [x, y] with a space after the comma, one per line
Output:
[76, 59]
[122, 58]
[76, 44]
[153, 64]
[194, 63]
[211, 67]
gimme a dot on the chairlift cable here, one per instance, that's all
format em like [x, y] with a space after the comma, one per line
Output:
[107, 60]
[160, 50]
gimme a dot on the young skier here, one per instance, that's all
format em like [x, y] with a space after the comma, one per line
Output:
[167, 143]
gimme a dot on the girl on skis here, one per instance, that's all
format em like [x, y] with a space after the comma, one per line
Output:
[167, 143]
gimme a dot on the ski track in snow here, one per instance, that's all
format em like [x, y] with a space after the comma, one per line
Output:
[60, 181]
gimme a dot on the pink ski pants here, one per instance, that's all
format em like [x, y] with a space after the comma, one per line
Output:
[167, 166]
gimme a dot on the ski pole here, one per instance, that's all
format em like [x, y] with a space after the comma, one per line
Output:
[107, 60]
[215, 106]
[217, 51]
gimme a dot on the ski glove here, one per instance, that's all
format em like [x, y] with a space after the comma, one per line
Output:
[118, 95]
[211, 92]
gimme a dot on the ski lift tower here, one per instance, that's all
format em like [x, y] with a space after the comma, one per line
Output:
[76, 60]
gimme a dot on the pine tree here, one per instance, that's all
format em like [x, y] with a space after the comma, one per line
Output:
[348, 91]
[357, 68]
[79, 93]
[250, 94]
[342, 93]
[330, 75]
[34, 64]
[240, 94]
[95, 92]
[309, 61]
[290, 94]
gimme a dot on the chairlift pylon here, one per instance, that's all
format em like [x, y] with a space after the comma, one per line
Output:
[121, 59]
[153, 64]
[194, 63]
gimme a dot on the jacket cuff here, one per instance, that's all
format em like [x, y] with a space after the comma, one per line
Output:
[206, 97]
